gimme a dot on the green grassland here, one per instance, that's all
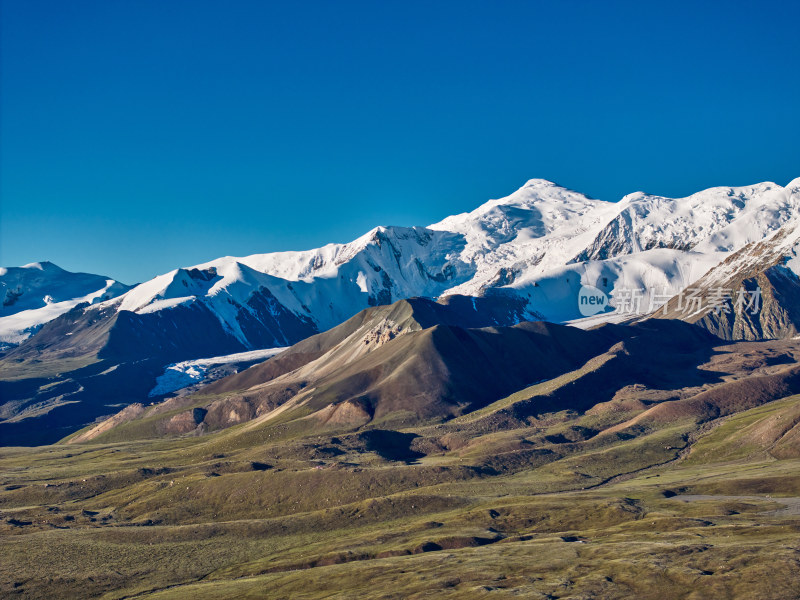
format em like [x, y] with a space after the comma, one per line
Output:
[542, 510]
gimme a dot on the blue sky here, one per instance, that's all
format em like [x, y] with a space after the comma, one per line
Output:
[138, 136]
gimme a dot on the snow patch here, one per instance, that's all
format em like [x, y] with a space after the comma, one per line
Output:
[164, 304]
[183, 374]
[361, 282]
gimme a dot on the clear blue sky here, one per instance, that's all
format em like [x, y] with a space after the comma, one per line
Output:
[138, 136]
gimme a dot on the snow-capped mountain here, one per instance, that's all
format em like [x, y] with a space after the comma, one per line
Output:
[539, 246]
[536, 247]
[318, 288]
[717, 219]
[36, 293]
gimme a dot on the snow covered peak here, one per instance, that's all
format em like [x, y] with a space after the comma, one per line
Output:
[37, 292]
[162, 287]
[793, 187]
[539, 183]
[635, 197]
[185, 284]
[537, 227]
[539, 207]
[338, 280]
[38, 284]
[713, 220]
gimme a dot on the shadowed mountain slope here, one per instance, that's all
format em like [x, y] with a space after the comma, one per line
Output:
[406, 363]
[86, 364]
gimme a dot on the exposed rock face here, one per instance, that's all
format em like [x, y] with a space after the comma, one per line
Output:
[229, 411]
[753, 295]
[351, 413]
[777, 317]
[185, 422]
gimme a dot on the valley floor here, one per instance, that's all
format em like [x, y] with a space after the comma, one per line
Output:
[684, 512]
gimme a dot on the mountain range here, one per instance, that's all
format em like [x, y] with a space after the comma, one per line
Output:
[548, 397]
[70, 338]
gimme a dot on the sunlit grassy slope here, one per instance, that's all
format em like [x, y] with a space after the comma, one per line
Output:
[544, 510]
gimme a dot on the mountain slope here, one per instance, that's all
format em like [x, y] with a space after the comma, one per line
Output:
[538, 245]
[36, 293]
[384, 371]
[753, 294]
[715, 220]
[712, 508]
[86, 364]
[406, 362]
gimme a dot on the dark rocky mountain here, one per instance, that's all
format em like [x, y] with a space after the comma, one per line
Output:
[409, 363]
[396, 367]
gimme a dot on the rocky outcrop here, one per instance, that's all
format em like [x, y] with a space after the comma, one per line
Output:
[753, 295]
[185, 422]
